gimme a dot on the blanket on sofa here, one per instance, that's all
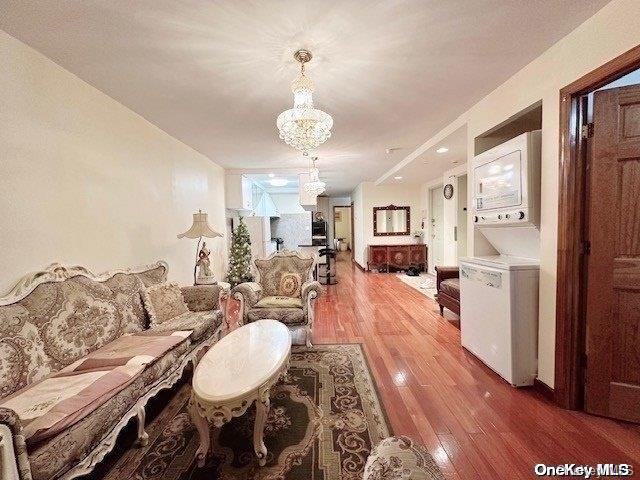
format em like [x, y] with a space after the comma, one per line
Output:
[51, 405]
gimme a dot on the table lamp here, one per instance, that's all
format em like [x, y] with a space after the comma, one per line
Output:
[201, 229]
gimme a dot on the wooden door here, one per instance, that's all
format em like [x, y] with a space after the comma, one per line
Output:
[613, 274]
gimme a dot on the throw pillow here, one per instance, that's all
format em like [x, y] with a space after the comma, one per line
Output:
[279, 302]
[290, 285]
[163, 302]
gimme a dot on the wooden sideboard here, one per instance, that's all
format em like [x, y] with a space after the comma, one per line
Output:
[401, 257]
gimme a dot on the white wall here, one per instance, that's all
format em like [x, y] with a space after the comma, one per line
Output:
[452, 215]
[287, 203]
[609, 33]
[87, 181]
[463, 212]
[358, 226]
[368, 195]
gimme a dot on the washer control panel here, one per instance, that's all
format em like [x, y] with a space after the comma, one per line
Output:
[507, 216]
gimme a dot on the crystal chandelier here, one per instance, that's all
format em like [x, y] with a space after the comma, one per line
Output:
[314, 186]
[304, 127]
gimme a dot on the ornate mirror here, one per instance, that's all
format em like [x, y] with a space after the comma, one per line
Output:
[391, 220]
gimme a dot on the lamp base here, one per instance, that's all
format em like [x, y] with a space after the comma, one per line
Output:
[206, 280]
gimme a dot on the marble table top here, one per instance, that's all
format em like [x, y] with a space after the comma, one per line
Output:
[242, 361]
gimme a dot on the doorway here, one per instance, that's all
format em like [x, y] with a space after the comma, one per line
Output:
[342, 228]
[598, 285]
[436, 219]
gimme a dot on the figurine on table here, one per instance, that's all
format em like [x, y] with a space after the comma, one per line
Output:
[205, 274]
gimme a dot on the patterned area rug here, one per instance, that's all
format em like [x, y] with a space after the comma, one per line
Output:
[323, 422]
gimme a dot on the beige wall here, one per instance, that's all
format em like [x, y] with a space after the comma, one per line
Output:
[358, 226]
[368, 195]
[87, 181]
[609, 33]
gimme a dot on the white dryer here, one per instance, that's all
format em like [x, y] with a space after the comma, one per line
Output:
[499, 314]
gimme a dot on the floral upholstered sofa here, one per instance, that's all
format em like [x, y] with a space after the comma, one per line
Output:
[284, 290]
[80, 356]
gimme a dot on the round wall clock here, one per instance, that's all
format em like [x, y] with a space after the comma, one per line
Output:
[448, 191]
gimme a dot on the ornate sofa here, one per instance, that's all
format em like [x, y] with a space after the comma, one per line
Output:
[78, 360]
[399, 458]
[284, 290]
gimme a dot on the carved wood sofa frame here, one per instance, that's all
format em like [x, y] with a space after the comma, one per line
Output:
[14, 461]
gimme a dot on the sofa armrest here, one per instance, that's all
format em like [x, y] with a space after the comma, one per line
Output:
[443, 273]
[14, 459]
[248, 293]
[201, 298]
[311, 288]
[251, 293]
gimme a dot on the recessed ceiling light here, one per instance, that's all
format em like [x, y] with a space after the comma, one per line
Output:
[398, 177]
[278, 182]
[271, 175]
[442, 150]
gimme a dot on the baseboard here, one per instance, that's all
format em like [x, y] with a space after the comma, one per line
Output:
[359, 266]
[543, 389]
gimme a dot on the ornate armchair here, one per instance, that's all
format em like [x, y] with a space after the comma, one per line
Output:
[284, 290]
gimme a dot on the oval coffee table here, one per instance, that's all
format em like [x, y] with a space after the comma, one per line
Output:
[235, 372]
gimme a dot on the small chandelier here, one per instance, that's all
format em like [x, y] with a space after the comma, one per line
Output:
[314, 186]
[304, 127]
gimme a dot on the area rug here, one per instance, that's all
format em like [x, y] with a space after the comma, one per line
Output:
[425, 283]
[325, 417]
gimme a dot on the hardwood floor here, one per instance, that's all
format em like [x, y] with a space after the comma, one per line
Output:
[474, 424]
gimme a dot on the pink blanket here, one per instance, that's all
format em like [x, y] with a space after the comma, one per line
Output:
[51, 405]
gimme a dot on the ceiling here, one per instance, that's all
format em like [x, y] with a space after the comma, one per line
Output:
[265, 182]
[216, 74]
[431, 165]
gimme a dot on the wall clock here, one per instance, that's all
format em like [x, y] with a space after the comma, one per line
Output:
[448, 191]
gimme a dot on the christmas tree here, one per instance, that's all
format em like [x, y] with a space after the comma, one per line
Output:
[240, 256]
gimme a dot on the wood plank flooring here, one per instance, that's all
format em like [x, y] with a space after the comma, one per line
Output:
[474, 424]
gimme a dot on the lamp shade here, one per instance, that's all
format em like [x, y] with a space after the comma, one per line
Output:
[200, 227]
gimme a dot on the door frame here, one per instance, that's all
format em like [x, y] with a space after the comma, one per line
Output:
[333, 214]
[431, 252]
[353, 235]
[573, 231]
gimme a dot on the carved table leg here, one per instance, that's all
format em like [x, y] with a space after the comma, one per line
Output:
[262, 410]
[143, 436]
[202, 425]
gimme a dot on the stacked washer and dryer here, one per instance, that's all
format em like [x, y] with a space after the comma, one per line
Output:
[499, 293]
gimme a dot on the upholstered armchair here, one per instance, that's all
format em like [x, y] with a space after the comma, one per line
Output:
[284, 290]
[448, 286]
